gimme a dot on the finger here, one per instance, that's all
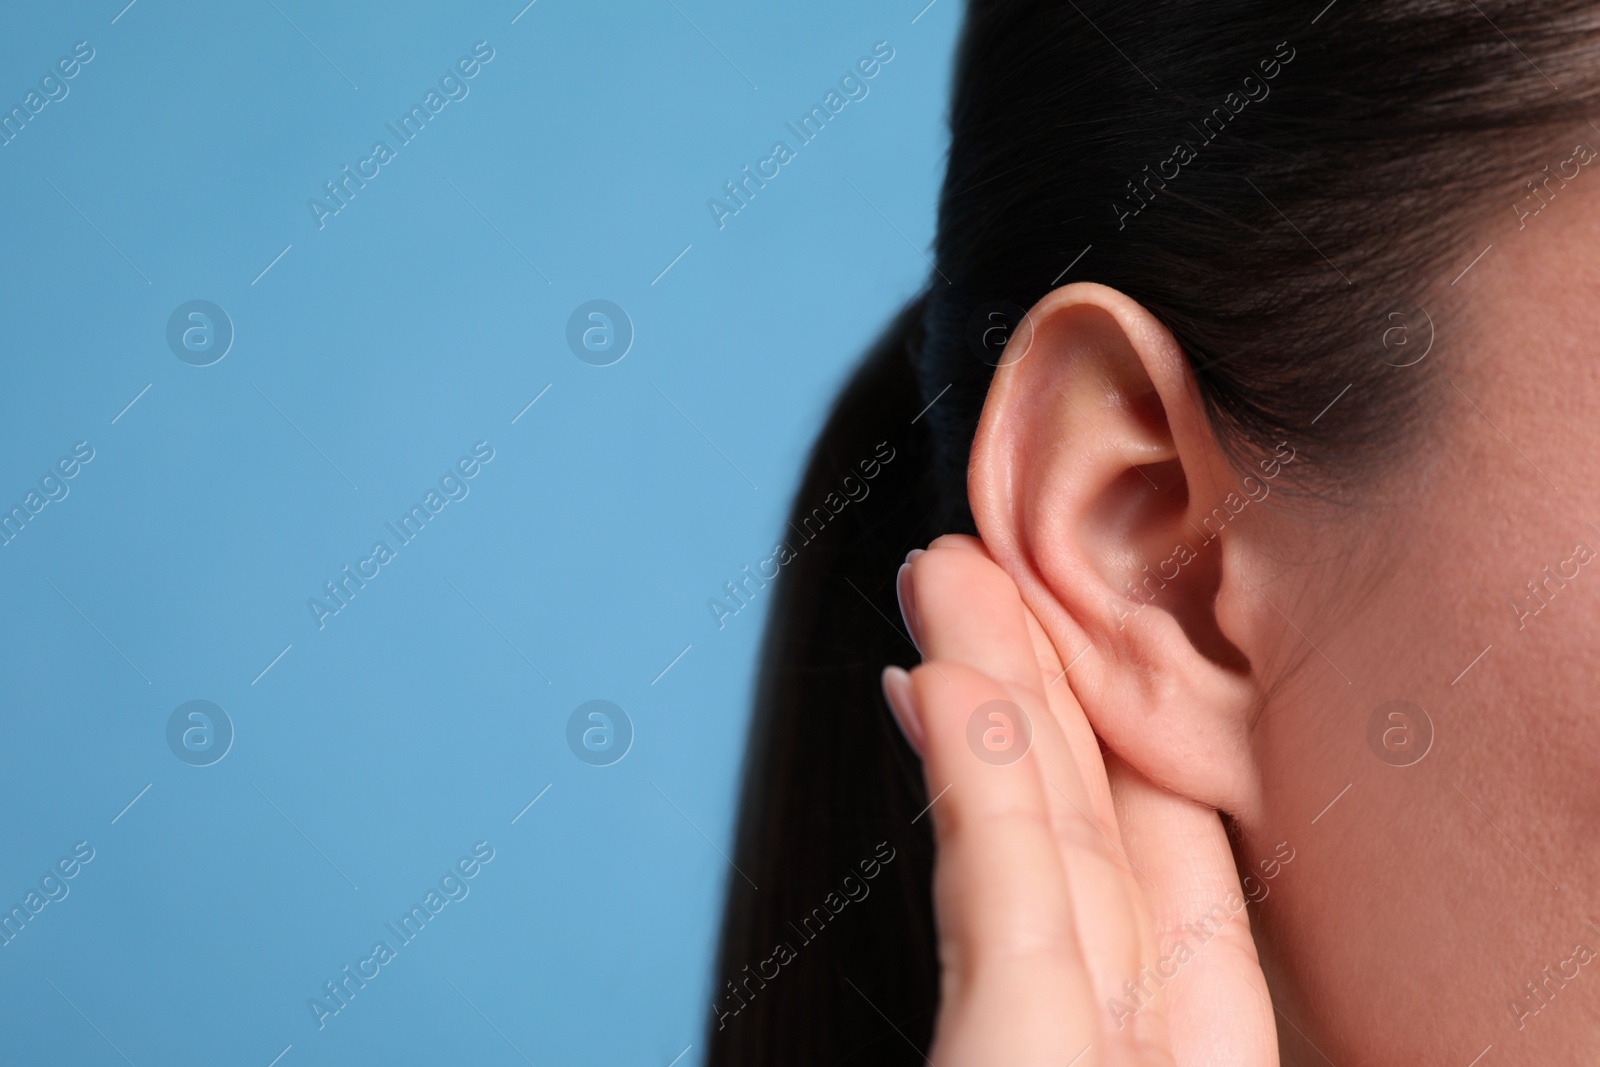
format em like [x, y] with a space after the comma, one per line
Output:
[1215, 996]
[979, 609]
[1015, 989]
[979, 614]
[971, 614]
[1080, 737]
[1081, 740]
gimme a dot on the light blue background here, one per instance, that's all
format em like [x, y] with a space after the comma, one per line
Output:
[379, 749]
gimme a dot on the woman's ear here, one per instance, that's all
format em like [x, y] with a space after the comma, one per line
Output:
[1097, 483]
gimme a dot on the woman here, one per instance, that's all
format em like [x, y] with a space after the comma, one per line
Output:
[1251, 722]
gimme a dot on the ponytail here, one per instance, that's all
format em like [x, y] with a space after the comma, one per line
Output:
[830, 787]
[1051, 178]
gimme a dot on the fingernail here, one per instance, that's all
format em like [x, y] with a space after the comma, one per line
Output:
[897, 691]
[914, 553]
[908, 603]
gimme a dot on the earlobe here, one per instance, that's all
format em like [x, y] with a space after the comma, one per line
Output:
[1097, 484]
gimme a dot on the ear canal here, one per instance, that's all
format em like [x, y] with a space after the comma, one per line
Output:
[1179, 570]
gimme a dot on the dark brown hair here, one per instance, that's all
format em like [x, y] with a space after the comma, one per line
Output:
[1272, 182]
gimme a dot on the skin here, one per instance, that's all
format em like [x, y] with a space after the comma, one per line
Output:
[1224, 725]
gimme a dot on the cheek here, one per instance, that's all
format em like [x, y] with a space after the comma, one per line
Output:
[1451, 587]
